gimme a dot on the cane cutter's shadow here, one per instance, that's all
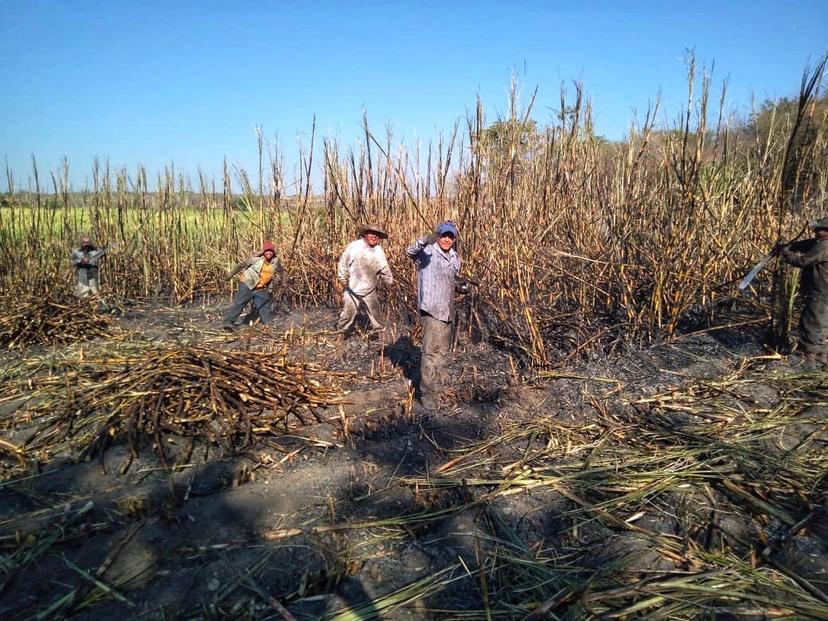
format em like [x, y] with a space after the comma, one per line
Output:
[404, 355]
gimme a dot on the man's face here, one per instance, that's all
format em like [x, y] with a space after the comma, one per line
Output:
[371, 238]
[268, 255]
[445, 241]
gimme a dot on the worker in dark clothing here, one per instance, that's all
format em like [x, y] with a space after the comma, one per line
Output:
[811, 255]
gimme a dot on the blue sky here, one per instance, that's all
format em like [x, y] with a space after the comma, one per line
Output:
[153, 82]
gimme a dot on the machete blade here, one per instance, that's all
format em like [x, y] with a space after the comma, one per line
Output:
[752, 273]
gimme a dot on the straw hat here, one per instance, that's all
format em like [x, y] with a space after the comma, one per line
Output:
[374, 228]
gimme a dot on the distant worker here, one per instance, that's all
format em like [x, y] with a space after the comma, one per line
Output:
[811, 255]
[86, 259]
[362, 267]
[256, 278]
[438, 266]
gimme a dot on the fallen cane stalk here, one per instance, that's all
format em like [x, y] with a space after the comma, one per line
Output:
[252, 584]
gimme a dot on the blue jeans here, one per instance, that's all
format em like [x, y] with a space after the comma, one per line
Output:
[261, 304]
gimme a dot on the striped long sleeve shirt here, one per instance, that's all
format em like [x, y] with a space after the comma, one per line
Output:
[436, 272]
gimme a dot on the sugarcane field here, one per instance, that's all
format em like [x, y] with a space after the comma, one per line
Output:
[519, 372]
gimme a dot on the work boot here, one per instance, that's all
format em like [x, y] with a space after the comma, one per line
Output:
[228, 327]
[377, 334]
[809, 361]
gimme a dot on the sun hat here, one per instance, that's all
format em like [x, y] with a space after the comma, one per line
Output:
[268, 246]
[373, 227]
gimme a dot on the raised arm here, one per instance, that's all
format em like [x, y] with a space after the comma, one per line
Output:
[416, 248]
[243, 265]
[816, 254]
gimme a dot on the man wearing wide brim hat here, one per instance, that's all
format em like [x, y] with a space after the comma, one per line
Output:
[811, 255]
[373, 227]
[362, 266]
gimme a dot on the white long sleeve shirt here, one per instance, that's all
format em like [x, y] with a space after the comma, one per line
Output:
[361, 266]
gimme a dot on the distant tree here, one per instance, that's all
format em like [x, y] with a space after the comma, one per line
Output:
[508, 145]
[511, 131]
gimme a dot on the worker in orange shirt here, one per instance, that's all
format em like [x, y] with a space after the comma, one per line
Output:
[256, 277]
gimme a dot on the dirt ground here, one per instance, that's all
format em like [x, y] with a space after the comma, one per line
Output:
[327, 519]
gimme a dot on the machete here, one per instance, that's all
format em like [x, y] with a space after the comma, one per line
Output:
[758, 267]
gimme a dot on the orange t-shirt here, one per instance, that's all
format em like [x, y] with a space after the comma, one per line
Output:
[266, 275]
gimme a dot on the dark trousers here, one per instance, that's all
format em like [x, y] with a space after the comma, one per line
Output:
[813, 326]
[261, 304]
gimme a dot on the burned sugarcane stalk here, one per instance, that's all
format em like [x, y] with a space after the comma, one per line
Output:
[228, 398]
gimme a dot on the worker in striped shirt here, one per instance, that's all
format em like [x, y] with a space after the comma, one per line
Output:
[438, 265]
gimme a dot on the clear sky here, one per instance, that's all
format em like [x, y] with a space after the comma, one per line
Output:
[188, 81]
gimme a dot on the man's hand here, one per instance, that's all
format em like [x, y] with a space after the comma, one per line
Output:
[341, 286]
[779, 247]
[429, 238]
[84, 261]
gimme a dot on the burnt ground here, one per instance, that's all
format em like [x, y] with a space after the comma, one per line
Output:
[331, 518]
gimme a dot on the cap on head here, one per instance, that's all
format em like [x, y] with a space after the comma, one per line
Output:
[268, 246]
[373, 227]
[820, 224]
[447, 227]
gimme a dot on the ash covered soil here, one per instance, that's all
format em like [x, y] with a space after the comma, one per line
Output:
[588, 491]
